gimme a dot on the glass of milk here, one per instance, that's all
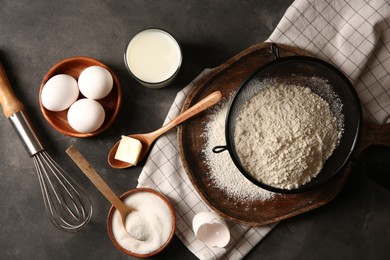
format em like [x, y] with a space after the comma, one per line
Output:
[153, 57]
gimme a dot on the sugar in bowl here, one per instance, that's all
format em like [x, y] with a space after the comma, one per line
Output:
[149, 229]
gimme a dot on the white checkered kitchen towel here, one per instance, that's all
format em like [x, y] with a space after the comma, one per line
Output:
[354, 35]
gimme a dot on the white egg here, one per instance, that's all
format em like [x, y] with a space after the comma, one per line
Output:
[86, 115]
[95, 82]
[211, 229]
[59, 92]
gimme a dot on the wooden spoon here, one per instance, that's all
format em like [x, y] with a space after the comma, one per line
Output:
[95, 178]
[148, 139]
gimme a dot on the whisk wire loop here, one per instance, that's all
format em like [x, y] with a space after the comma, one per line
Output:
[67, 204]
[60, 180]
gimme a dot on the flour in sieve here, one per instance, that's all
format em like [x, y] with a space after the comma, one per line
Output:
[222, 170]
[284, 134]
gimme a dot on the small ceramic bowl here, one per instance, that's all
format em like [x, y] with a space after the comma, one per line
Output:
[110, 218]
[73, 67]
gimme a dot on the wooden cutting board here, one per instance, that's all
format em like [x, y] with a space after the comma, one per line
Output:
[227, 78]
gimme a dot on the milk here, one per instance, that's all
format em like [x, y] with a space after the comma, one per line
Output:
[153, 57]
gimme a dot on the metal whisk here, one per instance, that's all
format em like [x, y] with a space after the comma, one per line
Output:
[67, 204]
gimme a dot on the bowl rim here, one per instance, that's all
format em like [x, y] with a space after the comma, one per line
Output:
[52, 72]
[111, 212]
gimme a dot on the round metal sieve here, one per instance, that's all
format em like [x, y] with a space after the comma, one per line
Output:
[310, 72]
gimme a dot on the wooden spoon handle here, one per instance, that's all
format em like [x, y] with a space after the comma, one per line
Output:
[8, 100]
[203, 104]
[95, 178]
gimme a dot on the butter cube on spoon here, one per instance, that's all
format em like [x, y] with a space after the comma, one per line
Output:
[146, 140]
[129, 150]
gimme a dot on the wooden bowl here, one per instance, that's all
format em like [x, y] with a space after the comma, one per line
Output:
[73, 67]
[127, 252]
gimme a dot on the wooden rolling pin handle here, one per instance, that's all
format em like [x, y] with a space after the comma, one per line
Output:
[8, 100]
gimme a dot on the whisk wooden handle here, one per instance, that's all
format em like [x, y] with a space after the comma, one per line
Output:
[94, 177]
[8, 100]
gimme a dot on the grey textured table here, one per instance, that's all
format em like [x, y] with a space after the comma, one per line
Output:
[34, 35]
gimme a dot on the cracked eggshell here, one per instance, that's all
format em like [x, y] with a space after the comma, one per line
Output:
[211, 229]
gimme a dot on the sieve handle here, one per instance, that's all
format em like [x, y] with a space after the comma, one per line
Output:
[219, 148]
[275, 50]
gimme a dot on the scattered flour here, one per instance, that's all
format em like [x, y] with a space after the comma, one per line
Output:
[284, 134]
[223, 171]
